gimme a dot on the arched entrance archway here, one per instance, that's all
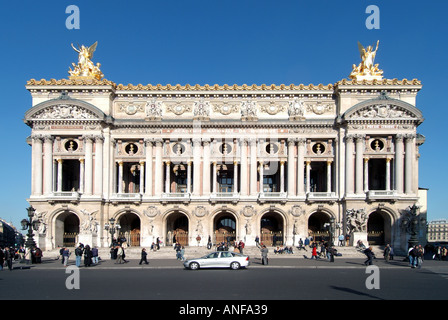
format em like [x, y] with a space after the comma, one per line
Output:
[130, 229]
[177, 226]
[224, 228]
[378, 228]
[272, 229]
[67, 229]
[317, 226]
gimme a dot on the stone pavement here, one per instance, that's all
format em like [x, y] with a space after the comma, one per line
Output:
[165, 258]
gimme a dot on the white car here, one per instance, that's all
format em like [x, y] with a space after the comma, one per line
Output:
[218, 259]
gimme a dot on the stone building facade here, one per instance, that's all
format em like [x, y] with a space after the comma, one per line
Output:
[222, 162]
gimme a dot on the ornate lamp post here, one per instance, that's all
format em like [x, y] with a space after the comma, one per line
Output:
[112, 227]
[30, 225]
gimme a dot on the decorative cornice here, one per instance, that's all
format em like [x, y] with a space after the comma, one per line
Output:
[216, 87]
[395, 81]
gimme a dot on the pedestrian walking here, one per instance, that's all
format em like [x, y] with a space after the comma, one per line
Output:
[420, 255]
[9, 254]
[264, 255]
[314, 251]
[370, 256]
[143, 257]
[386, 253]
[119, 255]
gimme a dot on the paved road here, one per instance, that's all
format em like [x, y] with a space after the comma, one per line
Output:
[283, 279]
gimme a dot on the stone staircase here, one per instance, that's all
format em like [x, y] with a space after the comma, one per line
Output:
[168, 252]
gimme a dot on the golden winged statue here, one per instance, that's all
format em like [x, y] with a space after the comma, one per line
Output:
[367, 70]
[85, 67]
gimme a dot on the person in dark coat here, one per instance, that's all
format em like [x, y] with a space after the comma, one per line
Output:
[143, 257]
[87, 256]
[370, 255]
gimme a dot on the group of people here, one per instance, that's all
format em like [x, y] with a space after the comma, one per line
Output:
[10, 254]
[286, 249]
[90, 255]
[326, 251]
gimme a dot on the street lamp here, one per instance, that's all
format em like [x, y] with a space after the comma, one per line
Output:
[331, 230]
[30, 225]
[112, 227]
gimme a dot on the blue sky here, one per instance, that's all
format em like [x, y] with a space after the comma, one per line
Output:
[220, 42]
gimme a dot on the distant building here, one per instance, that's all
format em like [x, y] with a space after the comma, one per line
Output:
[9, 236]
[224, 162]
[437, 231]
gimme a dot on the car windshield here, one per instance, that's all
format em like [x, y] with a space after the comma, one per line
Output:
[212, 255]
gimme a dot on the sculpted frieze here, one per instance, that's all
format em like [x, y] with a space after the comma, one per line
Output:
[382, 111]
[64, 111]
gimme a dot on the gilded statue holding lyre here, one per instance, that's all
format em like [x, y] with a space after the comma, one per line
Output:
[367, 70]
[85, 67]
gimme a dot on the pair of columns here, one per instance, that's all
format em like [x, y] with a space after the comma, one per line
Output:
[43, 166]
[356, 178]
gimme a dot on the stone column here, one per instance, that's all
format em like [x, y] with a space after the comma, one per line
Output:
[81, 175]
[148, 167]
[142, 177]
[409, 164]
[99, 165]
[158, 173]
[282, 176]
[399, 163]
[388, 174]
[188, 176]
[48, 164]
[36, 168]
[206, 168]
[253, 166]
[308, 176]
[215, 175]
[235, 177]
[243, 167]
[359, 164]
[261, 174]
[120, 176]
[366, 175]
[59, 175]
[88, 165]
[196, 166]
[349, 172]
[301, 166]
[167, 176]
[329, 162]
[291, 177]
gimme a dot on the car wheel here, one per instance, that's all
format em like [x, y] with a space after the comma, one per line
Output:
[194, 266]
[235, 265]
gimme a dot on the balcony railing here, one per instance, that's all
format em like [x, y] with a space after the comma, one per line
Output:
[65, 196]
[224, 196]
[131, 197]
[381, 194]
[175, 197]
[321, 196]
[272, 196]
